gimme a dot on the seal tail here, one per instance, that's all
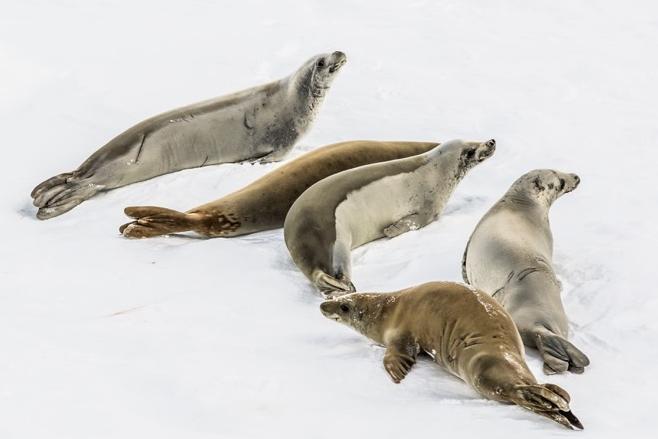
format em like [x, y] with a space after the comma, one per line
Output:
[547, 400]
[153, 221]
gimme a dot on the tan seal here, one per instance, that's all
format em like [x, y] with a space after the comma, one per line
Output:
[462, 329]
[263, 204]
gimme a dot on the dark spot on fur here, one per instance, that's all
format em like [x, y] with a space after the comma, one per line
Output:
[538, 185]
[226, 224]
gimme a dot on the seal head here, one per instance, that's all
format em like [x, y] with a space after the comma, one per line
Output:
[543, 185]
[317, 74]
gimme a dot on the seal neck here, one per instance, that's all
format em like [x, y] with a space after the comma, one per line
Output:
[520, 197]
[374, 310]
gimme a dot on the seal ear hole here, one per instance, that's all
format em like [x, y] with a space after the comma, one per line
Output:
[344, 307]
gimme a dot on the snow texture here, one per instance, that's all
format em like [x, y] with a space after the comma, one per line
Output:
[104, 337]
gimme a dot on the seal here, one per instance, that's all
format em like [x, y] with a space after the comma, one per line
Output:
[263, 204]
[258, 124]
[462, 329]
[359, 205]
[509, 255]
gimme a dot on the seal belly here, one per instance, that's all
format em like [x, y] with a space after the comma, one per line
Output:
[365, 212]
[494, 257]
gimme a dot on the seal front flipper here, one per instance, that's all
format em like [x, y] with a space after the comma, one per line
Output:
[559, 354]
[400, 356]
[403, 225]
[153, 221]
[547, 400]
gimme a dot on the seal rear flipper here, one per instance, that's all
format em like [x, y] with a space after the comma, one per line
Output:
[64, 197]
[330, 286]
[559, 354]
[546, 400]
[156, 221]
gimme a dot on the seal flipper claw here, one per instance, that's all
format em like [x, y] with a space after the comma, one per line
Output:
[559, 354]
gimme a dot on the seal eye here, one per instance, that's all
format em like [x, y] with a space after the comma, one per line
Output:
[344, 307]
[470, 154]
[562, 184]
[321, 63]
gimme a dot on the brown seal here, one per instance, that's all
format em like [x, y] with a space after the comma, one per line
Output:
[464, 330]
[263, 204]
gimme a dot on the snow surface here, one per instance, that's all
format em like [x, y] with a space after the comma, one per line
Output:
[103, 337]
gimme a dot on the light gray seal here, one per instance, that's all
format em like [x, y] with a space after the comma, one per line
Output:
[261, 123]
[462, 329]
[357, 206]
[509, 256]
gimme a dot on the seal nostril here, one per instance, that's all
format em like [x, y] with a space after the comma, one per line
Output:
[491, 142]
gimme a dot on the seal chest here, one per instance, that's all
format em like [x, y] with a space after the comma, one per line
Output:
[464, 330]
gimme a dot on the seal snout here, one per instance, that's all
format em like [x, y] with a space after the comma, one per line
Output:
[328, 308]
[337, 60]
[487, 150]
[572, 182]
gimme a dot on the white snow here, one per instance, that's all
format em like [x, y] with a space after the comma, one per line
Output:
[103, 337]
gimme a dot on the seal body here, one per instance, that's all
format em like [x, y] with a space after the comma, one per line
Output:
[263, 204]
[509, 255]
[360, 205]
[261, 123]
[464, 330]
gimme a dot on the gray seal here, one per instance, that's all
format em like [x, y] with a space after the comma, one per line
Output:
[509, 255]
[357, 206]
[462, 329]
[259, 124]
